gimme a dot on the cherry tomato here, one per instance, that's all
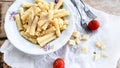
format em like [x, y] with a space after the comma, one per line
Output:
[93, 25]
[58, 63]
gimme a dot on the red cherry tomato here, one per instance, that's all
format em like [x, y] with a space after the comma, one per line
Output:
[93, 25]
[58, 63]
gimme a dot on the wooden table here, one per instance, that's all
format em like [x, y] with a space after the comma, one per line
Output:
[4, 5]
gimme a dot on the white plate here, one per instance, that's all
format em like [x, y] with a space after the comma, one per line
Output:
[24, 45]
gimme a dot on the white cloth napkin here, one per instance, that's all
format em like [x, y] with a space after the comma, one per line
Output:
[109, 33]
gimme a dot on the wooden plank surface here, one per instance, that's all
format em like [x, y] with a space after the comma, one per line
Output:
[4, 5]
[7, 0]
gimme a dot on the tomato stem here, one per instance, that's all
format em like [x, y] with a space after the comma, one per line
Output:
[92, 21]
[56, 62]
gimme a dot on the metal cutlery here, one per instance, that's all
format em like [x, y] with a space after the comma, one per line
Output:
[88, 11]
[83, 21]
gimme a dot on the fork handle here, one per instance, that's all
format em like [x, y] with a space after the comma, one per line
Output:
[83, 3]
[80, 12]
[74, 3]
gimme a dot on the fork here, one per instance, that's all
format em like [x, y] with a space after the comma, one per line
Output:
[82, 22]
[88, 12]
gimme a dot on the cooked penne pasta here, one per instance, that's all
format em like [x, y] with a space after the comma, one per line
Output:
[24, 17]
[42, 44]
[47, 40]
[46, 6]
[43, 15]
[50, 15]
[31, 18]
[41, 22]
[36, 10]
[66, 22]
[43, 6]
[21, 10]
[59, 4]
[60, 22]
[37, 34]
[56, 11]
[55, 22]
[51, 29]
[37, 1]
[43, 38]
[25, 26]
[63, 14]
[39, 29]
[18, 21]
[28, 38]
[33, 26]
[51, 5]
[44, 27]
[63, 27]
[27, 5]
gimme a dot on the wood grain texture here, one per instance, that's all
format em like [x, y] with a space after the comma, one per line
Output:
[0, 11]
[1, 42]
[108, 6]
[4, 5]
[7, 0]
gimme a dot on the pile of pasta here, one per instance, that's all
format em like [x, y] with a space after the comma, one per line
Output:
[41, 22]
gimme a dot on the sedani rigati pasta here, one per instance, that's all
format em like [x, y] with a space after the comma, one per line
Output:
[41, 22]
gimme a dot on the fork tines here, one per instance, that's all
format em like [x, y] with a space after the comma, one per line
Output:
[90, 14]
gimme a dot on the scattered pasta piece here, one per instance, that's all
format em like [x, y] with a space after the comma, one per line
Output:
[75, 37]
[99, 44]
[85, 37]
[103, 47]
[76, 34]
[71, 42]
[96, 57]
[77, 41]
[84, 49]
[104, 54]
